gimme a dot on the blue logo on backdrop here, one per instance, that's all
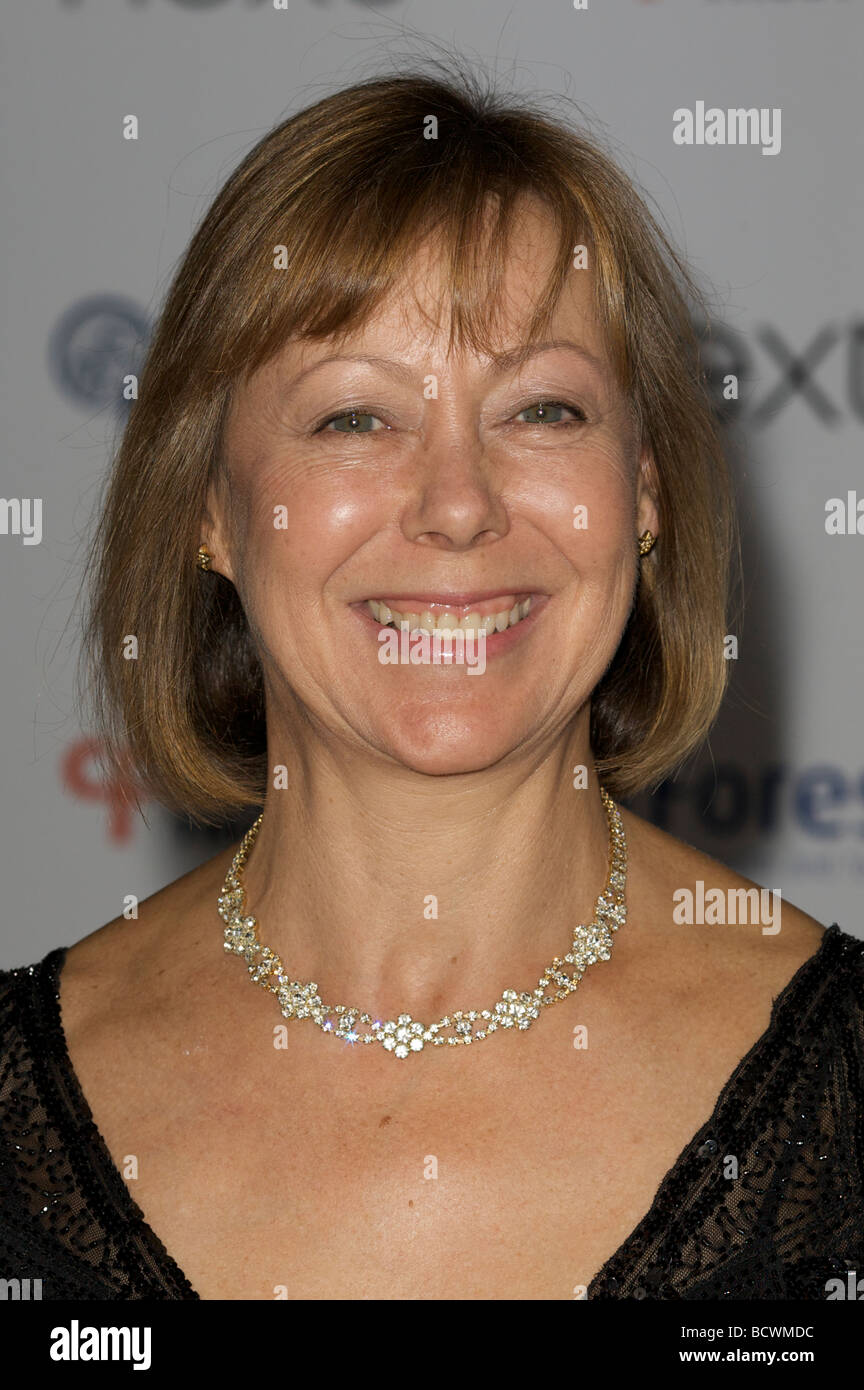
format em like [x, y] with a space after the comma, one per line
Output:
[824, 801]
[95, 344]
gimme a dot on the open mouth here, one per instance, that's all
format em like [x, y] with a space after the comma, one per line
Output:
[423, 614]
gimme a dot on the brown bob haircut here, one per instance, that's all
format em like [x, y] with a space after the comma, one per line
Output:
[350, 185]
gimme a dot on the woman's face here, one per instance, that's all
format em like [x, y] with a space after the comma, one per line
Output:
[447, 495]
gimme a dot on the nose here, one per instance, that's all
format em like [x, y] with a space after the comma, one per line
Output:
[455, 503]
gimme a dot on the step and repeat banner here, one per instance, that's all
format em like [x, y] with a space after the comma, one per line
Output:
[739, 121]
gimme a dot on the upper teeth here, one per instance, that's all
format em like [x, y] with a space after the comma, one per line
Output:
[444, 621]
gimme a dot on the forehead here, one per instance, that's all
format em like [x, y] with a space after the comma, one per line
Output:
[413, 319]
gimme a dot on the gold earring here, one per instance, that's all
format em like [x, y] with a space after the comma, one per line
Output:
[646, 542]
[204, 558]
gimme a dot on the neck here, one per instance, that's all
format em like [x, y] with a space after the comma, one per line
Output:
[398, 891]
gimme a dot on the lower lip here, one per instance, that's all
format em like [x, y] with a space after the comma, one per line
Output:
[497, 643]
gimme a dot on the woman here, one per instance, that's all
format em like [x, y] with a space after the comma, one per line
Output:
[427, 363]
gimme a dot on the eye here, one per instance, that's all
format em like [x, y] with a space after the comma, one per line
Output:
[349, 422]
[550, 413]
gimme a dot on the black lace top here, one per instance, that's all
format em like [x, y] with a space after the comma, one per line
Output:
[766, 1201]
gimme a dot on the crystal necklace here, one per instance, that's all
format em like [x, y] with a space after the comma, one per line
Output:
[403, 1035]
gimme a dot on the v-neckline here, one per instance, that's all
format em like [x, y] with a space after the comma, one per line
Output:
[72, 1097]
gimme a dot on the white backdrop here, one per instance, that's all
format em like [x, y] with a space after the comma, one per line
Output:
[94, 226]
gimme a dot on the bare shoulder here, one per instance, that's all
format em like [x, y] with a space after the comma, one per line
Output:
[720, 925]
[136, 967]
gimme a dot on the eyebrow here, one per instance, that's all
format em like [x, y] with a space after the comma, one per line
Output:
[502, 361]
[514, 357]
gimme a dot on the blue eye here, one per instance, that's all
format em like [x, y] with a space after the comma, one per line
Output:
[549, 413]
[355, 418]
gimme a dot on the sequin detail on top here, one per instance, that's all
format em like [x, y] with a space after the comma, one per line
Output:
[66, 1215]
[791, 1115]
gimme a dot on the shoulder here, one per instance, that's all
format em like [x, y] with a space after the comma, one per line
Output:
[31, 1060]
[139, 969]
[714, 983]
[726, 941]
[26, 998]
[691, 889]
[121, 977]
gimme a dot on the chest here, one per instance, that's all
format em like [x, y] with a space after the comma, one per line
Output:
[300, 1189]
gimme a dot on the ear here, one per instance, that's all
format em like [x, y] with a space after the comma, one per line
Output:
[647, 506]
[214, 528]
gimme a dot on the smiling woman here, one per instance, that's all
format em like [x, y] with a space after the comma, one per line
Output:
[379, 235]
[405, 387]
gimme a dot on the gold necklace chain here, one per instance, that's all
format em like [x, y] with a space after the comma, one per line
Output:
[403, 1035]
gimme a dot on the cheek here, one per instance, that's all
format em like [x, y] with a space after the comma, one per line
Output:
[586, 505]
[303, 523]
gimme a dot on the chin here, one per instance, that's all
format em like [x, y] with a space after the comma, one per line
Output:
[442, 741]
